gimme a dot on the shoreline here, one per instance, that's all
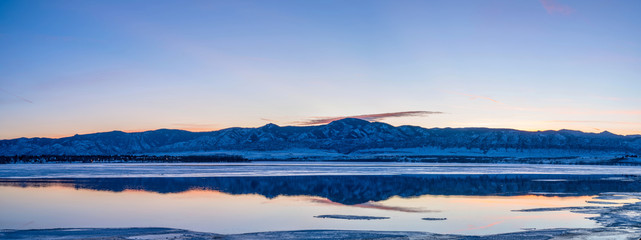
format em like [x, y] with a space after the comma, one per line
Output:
[176, 234]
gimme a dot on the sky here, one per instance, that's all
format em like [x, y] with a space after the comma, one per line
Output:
[73, 67]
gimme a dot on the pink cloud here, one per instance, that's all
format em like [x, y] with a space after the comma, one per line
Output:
[553, 7]
[368, 117]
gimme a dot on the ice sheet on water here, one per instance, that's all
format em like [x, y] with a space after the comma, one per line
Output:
[294, 169]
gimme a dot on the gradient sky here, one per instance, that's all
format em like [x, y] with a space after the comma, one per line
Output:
[70, 67]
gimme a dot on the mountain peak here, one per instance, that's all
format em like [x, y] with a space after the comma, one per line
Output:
[269, 126]
[606, 133]
[350, 121]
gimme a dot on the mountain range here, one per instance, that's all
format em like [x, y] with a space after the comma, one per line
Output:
[344, 137]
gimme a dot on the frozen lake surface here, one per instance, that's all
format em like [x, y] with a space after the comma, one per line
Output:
[110, 170]
[467, 199]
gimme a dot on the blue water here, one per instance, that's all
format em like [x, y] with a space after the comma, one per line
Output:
[473, 199]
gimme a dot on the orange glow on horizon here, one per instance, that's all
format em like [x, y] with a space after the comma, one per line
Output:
[587, 130]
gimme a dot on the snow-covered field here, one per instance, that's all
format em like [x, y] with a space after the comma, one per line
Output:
[569, 156]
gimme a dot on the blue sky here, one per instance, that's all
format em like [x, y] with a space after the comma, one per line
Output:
[70, 67]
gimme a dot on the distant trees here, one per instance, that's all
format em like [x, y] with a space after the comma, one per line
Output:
[118, 158]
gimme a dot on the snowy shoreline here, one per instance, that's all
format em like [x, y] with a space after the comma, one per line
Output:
[178, 234]
[418, 155]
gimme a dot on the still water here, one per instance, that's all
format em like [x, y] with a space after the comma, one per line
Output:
[475, 204]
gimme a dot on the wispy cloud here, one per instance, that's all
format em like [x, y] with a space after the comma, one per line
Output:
[368, 117]
[16, 96]
[583, 121]
[623, 112]
[472, 96]
[553, 7]
[608, 98]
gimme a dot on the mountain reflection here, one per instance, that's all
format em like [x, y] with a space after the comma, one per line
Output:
[352, 190]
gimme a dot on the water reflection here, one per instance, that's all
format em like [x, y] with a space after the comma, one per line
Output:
[471, 204]
[351, 190]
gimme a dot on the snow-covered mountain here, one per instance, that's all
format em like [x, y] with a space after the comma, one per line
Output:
[341, 137]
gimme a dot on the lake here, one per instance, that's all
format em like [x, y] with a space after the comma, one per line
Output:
[469, 199]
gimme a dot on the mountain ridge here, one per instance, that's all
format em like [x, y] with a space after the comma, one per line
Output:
[343, 136]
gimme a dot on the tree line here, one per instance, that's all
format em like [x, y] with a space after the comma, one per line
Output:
[119, 159]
